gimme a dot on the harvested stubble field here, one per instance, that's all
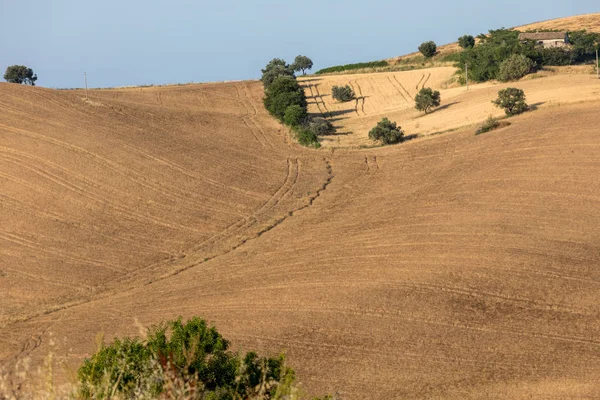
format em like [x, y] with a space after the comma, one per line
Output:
[457, 266]
[392, 94]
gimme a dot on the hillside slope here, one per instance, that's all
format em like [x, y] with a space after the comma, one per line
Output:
[457, 266]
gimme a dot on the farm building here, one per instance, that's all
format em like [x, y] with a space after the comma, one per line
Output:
[547, 39]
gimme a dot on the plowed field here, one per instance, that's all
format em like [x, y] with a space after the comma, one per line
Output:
[455, 266]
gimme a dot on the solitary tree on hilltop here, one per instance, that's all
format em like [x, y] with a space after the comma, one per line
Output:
[426, 99]
[302, 63]
[20, 74]
[428, 49]
[466, 41]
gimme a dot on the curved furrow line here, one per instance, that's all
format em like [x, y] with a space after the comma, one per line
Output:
[398, 90]
[419, 83]
[402, 86]
[255, 113]
[323, 101]
[316, 101]
[130, 174]
[129, 212]
[427, 79]
[247, 116]
[38, 278]
[356, 99]
[11, 237]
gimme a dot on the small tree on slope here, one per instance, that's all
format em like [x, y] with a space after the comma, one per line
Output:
[426, 99]
[512, 100]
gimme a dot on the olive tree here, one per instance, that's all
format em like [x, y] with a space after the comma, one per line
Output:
[515, 67]
[275, 68]
[466, 41]
[426, 99]
[386, 132]
[20, 74]
[342, 93]
[428, 49]
[302, 63]
[512, 101]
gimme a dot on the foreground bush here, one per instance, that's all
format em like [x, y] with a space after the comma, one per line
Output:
[20, 74]
[183, 360]
[428, 49]
[512, 101]
[489, 125]
[306, 137]
[515, 67]
[295, 115]
[320, 126]
[343, 93]
[386, 132]
[426, 99]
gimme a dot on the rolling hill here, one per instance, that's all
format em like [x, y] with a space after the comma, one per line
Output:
[449, 266]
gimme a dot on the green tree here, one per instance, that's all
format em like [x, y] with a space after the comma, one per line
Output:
[320, 126]
[387, 132]
[466, 41]
[426, 99]
[191, 354]
[283, 92]
[515, 67]
[295, 115]
[20, 74]
[275, 68]
[302, 63]
[512, 101]
[342, 93]
[428, 49]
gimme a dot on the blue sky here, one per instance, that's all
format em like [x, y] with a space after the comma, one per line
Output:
[132, 42]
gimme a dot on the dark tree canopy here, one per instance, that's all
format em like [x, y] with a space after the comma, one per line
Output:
[283, 92]
[275, 68]
[342, 93]
[512, 100]
[466, 41]
[20, 74]
[302, 63]
[515, 67]
[428, 49]
[386, 132]
[426, 99]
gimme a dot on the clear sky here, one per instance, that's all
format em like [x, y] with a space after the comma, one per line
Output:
[133, 42]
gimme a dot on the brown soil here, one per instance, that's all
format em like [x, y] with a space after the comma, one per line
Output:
[456, 266]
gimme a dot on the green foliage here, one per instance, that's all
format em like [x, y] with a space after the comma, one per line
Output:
[489, 125]
[320, 126]
[283, 92]
[584, 45]
[294, 115]
[428, 49]
[426, 99]
[515, 67]
[191, 352]
[306, 137]
[349, 67]
[20, 74]
[274, 69]
[302, 63]
[386, 132]
[466, 41]
[512, 100]
[343, 93]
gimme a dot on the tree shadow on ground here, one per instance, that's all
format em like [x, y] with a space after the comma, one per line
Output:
[535, 106]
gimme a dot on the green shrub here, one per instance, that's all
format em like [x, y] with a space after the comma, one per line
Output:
[349, 67]
[283, 92]
[302, 63]
[426, 99]
[489, 125]
[20, 74]
[342, 93]
[320, 126]
[191, 354]
[512, 100]
[274, 69]
[295, 115]
[515, 67]
[466, 41]
[386, 132]
[306, 137]
[428, 49]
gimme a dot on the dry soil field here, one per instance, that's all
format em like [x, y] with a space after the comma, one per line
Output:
[453, 266]
[391, 94]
